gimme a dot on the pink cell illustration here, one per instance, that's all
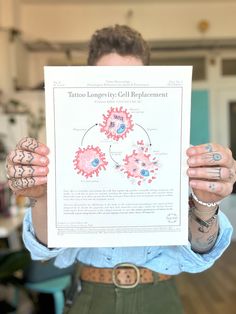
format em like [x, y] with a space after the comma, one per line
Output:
[117, 123]
[89, 161]
[140, 165]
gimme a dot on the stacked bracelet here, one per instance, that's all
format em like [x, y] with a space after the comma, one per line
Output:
[204, 223]
[210, 204]
[194, 212]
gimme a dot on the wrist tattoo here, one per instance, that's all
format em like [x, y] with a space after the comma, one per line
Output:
[33, 202]
[204, 235]
[202, 245]
[211, 240]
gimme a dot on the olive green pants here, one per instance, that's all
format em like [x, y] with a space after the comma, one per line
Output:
[158, 298]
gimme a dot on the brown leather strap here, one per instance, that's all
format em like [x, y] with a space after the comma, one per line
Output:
[125, 275]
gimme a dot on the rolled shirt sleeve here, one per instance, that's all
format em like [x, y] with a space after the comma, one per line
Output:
[165, 259]
[64, 257]
[194, 262]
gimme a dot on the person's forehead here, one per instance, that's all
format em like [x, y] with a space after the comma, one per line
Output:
[118, 60]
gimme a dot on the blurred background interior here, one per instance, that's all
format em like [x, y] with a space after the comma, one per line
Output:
[34, 33]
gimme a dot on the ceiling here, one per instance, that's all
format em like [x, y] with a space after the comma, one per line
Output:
[117, 1]
[41, 45]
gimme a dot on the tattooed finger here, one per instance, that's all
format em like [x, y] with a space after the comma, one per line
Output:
[23, 183]
[211, 173]
[25, 158]
[18, 171]
[32, 145]
[209, 148]
[210, 159]
[216, 187]
[205, 148]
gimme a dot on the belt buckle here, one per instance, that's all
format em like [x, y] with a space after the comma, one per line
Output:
[128, 265]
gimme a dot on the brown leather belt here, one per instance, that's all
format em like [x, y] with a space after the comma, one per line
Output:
[123, 275]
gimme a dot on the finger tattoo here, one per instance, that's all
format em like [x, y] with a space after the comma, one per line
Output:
[213, 157]
[23, 183]
[212, 187]
[22, 171]
[215, 173]
[209, 148]
[29, 143]
[22, 156]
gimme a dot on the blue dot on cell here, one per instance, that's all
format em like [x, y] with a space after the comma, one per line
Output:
[95, 162]
[144, 173]
[121, 128]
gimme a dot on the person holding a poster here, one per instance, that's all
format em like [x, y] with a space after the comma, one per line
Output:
[130, 279]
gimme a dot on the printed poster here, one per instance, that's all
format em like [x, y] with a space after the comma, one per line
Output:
[118, 138]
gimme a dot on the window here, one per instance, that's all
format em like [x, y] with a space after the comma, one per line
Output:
[228, 67]
[198, 63]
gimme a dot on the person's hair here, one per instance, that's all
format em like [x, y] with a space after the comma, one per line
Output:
[120, 39]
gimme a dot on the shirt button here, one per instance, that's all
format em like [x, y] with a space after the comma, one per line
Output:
[108, 258]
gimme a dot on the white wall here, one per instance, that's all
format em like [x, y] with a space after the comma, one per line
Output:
[73, 22]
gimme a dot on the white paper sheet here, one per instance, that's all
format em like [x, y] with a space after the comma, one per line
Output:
[117, 138]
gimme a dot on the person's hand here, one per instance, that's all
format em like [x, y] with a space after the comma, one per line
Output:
[212, 171]
[26, 168]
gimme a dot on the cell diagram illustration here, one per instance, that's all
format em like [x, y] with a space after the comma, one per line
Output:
[117, 123]
[89, 161]
[138, 165]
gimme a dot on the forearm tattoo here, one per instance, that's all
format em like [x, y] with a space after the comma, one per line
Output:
[204, 245]
[202, 239]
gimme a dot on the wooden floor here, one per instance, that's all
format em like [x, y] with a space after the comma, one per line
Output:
[212, 291]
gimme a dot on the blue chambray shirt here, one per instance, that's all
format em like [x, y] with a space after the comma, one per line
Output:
[163, 259]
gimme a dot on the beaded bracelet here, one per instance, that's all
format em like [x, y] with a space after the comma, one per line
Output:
[199, 212]
[203, 223]
[210, 204]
